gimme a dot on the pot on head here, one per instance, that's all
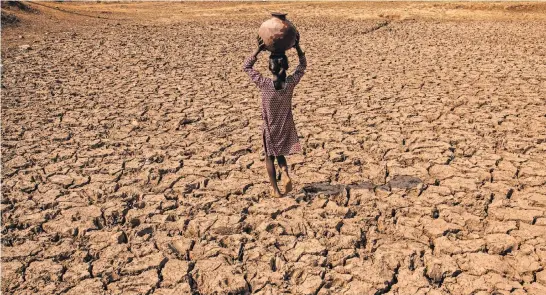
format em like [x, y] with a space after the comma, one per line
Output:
[278, 33]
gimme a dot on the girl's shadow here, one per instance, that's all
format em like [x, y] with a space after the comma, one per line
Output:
[341, 191]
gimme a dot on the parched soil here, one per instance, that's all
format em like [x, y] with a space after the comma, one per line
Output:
[132, 161]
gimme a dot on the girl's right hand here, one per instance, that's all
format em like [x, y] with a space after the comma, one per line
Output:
[261, 45]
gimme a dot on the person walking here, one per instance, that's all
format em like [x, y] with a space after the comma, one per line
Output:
[279, 133]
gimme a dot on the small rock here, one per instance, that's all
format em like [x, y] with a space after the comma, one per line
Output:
[11, 275]
[175, 271]
[18, 162]
[500, 243]
[46, 270]
[337, 156]
[86, 287]
[63, 180]
[541, 277]
[139, 265]
[181, 247]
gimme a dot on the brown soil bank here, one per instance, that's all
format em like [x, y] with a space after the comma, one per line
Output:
[131, 152]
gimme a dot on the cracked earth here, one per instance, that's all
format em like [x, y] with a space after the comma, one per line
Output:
[132, 160]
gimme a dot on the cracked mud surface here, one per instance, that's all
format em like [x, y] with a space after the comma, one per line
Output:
[132, 160]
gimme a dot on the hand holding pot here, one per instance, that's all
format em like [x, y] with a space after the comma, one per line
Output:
[261, 45]
[297, 44]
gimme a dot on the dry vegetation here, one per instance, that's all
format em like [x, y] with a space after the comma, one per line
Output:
[131, 152]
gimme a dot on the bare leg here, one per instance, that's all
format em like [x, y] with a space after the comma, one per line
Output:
[285, 178]
[270, 165]
[281, 160]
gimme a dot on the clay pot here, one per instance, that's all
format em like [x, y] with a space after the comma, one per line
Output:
[278, 33]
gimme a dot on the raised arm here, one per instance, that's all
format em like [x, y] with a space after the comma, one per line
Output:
[254, 75]
[300, 69]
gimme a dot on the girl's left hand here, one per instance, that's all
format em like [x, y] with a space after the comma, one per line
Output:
[297, 43]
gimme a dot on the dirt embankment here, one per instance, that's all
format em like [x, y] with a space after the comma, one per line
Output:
[8, 7]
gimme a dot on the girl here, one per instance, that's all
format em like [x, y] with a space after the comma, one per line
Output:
[278, 130]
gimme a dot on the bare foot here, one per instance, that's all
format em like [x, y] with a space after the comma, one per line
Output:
[286, 182]
[275, 193]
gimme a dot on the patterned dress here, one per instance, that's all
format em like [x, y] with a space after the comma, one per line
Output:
[278, 130]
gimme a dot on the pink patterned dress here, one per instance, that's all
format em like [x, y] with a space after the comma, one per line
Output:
[278, 130]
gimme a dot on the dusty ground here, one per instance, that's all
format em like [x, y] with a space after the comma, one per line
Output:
[131, 153]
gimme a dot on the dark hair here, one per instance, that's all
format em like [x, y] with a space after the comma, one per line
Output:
[278, 64]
